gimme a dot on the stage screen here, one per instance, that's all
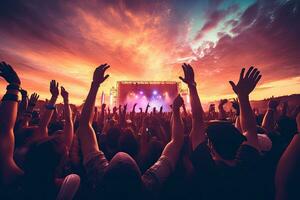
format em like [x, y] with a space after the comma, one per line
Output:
[157, 94]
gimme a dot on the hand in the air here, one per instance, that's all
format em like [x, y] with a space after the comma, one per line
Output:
[99, 76]
[9, 74]
[189, 76]
[64, 93]
[247, 83]
[177, 103]
[223, 102]
[33, 99]
[54, 88]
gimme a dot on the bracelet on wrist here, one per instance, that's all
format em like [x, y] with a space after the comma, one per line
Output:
[13, 87]
[10, 97]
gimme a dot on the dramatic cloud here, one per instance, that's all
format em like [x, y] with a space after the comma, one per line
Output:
[148, 40]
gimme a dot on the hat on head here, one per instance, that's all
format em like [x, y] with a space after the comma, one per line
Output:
[225, 138]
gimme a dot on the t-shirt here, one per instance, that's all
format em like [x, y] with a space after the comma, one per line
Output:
[217, 180]
[153, 179]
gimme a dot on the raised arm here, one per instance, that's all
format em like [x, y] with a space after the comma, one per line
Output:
[173, 148]
[243, 88]
[222, 113]
[8, 115]
[197, 134]
[132, 114]
[101, 116]
[50, 107]
[235, 105]
[286, 179]
[27, 115]
[86, 132]
[69, 127]
[23, 104]
[269, 118]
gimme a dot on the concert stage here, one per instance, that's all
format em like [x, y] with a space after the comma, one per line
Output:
[156, 93]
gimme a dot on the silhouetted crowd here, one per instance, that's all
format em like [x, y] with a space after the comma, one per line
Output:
[112, 153]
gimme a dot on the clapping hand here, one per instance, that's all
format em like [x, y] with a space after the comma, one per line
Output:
[54, 88]
[9, 74]
[247, 83]
[99, 76]
[189, 77]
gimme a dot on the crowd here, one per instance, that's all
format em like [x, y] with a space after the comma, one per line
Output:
[119, 154]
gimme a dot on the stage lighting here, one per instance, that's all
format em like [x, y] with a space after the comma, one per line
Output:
[141, 92]
[159, 96]
[154, 92]
[136, 96]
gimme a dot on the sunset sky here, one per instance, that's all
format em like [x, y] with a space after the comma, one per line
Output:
[149, 40]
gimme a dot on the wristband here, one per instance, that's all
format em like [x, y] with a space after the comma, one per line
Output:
[10, 97]
[50, 107]
[13, 87]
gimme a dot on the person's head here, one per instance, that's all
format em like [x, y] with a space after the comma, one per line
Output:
[43, 157]
[122, 179]
[128, 143]
[287, 127]
[24, 136]
[55, 126]
[112, 137]
[224, 139]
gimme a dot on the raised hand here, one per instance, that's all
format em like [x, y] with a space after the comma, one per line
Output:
[23, 93]
[54, 88]
[64, 94]
[247, 83]
[177, 103]
[134, 106]
[236, 106]
[223, 102]
[99, 76]
[115, 109]
[103, 106]
[33, 99]
[9, 74]
[189, 77]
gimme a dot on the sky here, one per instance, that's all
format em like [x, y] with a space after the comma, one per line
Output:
[149, 40]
